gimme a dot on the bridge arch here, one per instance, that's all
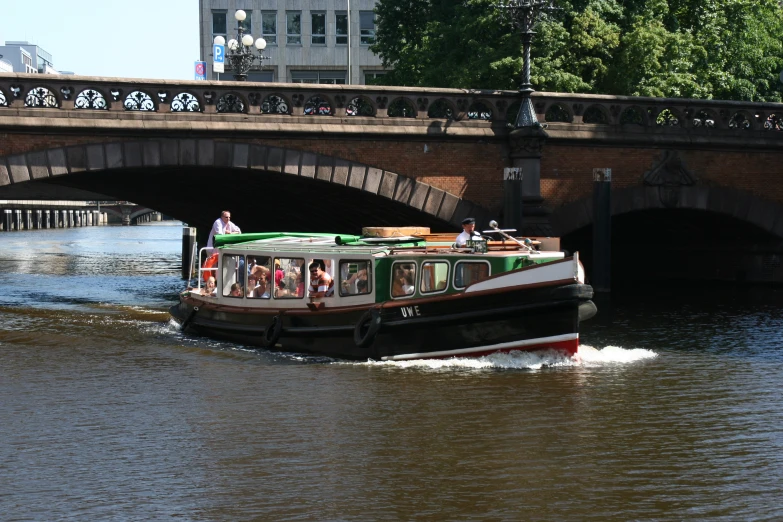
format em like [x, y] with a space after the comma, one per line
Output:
[85, 167]
[740, 205]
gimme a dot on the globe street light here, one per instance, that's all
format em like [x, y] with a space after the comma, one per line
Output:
[523, 15]
[240, 50]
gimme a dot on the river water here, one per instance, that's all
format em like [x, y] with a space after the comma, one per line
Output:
[673, 410]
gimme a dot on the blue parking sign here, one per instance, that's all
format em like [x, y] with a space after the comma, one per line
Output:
[218, 57]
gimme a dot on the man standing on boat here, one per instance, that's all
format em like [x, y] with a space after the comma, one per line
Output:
[222, 225]
[468, 232]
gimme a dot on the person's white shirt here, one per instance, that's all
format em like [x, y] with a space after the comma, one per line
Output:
[219, 227]
[464, 237]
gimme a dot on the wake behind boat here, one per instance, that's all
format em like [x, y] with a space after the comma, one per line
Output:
[388, 298]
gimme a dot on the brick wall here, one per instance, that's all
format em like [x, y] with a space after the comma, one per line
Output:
[567, 170]
[472, 169]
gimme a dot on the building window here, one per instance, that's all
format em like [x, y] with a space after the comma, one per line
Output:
[323, 77]
[319, 29]
[293, 27]
[269, 27]
[367, 27]
[218, 22]
[341, 28]
[374, 77]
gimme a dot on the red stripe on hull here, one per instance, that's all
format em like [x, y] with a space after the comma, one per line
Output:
[568, 347]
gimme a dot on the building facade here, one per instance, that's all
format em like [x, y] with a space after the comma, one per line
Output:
[25, 57]
[307, 41]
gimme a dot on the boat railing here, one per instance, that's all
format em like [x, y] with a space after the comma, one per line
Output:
[204, 254]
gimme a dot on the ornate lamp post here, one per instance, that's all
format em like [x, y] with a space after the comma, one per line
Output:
[239, 52]
[522, 201]
[523, 15]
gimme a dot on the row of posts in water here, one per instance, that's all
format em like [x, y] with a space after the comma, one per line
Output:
[15, 220]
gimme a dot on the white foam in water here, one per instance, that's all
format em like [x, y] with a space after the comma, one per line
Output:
[586, 356]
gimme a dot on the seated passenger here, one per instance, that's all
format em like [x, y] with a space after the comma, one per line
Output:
[299, 285]
[407, 285]
[399, 283]
[361, 287]
[252, 284]
[321, 283]
[262, 289]
[236, 290]
[210, 288]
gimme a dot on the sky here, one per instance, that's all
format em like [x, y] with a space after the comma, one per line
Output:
[139, 39]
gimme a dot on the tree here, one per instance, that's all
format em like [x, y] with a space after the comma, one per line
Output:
[726, 49]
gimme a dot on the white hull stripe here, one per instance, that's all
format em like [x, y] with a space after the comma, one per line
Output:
[500, 346]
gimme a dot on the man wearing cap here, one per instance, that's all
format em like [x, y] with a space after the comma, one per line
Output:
[468, 232]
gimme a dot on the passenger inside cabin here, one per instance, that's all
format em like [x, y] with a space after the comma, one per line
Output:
[361, 286]
[279, 274]
[321, 283]
[262, 288]
[210, 287]
[252, 283]
[236, 290]
[402, 284]
[407, 285]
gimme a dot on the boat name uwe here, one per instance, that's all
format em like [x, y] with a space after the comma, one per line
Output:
[410, 311]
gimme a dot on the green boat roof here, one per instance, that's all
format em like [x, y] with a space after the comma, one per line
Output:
[314, 242]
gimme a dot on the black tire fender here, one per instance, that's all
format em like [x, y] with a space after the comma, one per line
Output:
[272, 332]
[367, 328]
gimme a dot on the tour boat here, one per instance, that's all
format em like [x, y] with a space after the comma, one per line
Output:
[396, 294]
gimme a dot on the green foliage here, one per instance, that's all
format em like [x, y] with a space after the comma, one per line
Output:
[724, 49]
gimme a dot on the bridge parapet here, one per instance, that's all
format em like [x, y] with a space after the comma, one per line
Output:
[335, 109]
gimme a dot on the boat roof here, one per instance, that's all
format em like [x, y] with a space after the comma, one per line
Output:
[313, 243]
[326, 244]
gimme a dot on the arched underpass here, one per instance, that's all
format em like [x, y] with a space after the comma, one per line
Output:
[259, 200]
[683, 244]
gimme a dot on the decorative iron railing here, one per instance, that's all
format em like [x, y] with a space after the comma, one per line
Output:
[337, 103]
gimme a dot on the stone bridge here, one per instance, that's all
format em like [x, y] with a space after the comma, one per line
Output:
[323, 157]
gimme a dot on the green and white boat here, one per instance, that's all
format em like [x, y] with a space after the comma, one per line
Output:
[393, 298]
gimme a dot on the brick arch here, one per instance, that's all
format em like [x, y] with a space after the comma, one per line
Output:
[62, 161]
[738, 204]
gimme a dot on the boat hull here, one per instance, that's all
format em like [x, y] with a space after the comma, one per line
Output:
[464, 325]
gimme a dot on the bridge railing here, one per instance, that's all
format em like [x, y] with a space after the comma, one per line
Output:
[339, 104]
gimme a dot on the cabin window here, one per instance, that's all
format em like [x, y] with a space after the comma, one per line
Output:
[434, 277]
[403, 281]
[233, 275]
[289, 278]
[355, 278]
[260, 279]
[469, 272]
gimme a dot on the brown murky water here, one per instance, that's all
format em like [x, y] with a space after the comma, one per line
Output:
[107, 412]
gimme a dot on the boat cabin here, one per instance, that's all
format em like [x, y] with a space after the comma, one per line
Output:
[272, 270]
